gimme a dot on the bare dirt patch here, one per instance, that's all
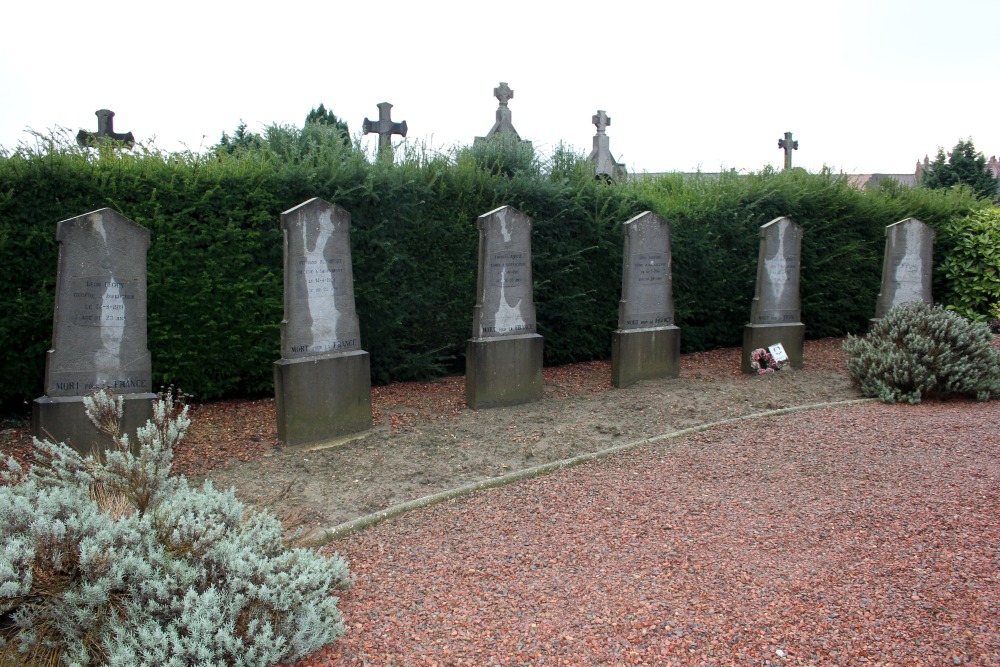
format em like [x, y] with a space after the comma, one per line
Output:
[425, 440]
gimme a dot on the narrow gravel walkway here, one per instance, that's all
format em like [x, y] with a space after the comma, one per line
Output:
[866, 534]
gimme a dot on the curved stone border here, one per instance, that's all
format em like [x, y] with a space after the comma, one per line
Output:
[355, 525]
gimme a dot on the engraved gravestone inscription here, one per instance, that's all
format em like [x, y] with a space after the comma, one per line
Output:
[505, 304]
[777, 298]
[907, 265]
[647, 295]
[99, 325]
[320, 316]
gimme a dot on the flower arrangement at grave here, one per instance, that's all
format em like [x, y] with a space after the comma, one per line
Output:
[108, 559]
[762, 361]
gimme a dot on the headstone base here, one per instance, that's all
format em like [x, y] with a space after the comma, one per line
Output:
[503, 371]
[645, 354]
[791, 336]
[320, 398]
[63, 419]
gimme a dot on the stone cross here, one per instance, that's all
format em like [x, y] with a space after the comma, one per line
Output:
[605, 165]
[601, 120]
[385, 128]
[503, 124]
[503, 93]
[105, 130]
[789, 145]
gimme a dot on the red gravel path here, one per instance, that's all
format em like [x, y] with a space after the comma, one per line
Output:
[858, 535]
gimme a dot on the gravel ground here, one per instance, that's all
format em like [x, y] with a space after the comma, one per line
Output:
[854, 535]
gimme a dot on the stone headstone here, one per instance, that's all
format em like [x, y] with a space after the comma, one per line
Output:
[323, 382]
[647, 343]
[503, 125]
[385, 128]
[605, 165]
[105, 131]
[776, 310]
[99, 327]
[907, 266]
[789, 145]
[504, 355]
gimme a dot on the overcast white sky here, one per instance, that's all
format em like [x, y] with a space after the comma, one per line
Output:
[865, 86]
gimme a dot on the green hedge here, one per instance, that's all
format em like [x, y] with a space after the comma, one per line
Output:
[215, 301]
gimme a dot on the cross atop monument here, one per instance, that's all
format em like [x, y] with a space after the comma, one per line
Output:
[503, 93]
[385, 128]
[601, 120]
[105, 130]
[789, 145]
[503, 125]
[605, 166]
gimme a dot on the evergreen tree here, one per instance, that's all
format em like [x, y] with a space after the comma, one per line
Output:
[241, 140]
[963, 166]
[321, 115]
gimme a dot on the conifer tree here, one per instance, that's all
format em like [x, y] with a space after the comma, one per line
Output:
[962, 166]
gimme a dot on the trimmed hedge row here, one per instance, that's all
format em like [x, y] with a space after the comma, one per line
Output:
[215, 301]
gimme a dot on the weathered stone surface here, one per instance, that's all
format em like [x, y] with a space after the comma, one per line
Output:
[320, 317]
[99, 324]
[324, 397]
[646, 309]
[322, 384]
[907, 266]
[645, 354]
[504, 355]
[503, 371]
[776, 308]
[777, 295]
[505, 303]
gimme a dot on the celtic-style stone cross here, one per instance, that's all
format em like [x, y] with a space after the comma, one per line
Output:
[385, 128]
[601, 120]
[503, 93]
[105, 130]
[789, 145]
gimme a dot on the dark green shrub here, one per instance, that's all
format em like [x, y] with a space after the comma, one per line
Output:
[971, 263]
[918, 351]
[110, 560]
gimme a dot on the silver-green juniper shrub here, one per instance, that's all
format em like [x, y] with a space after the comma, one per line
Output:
[108, 559]
[920, 351]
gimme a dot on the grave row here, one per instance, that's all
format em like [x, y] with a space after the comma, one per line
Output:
[322, 382]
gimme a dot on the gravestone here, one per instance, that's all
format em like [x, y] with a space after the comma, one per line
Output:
[98, 329]
[322, 383]
[503, 125]
[789, 145]
[647, 344]
[385, 128]
[604, 162]
[105, 130]
[503, 363]
[907, 265]
[776, 311]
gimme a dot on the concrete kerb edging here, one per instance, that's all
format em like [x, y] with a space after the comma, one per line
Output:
[355, 525]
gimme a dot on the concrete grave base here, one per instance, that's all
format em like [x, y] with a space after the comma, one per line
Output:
[63, 419]
[318, 398]
[645, 354]
[503, 371]
[791, 336]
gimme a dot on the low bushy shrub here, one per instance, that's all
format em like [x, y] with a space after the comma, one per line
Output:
[108, 559]
[920, 351]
